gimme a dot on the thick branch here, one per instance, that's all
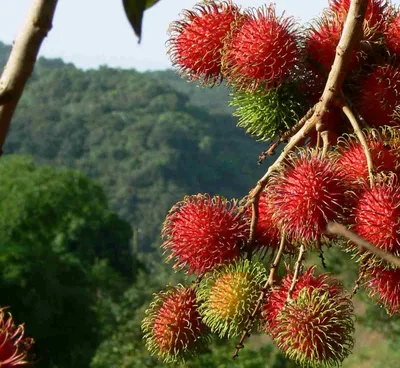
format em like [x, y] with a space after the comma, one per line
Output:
[337, 229]
[22, 59]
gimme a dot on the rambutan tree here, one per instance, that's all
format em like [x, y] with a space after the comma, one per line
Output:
[328, 93]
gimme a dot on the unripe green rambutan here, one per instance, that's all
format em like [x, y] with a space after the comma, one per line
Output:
[172, 328]
[266, 114]
[229, 295]
[316, 328]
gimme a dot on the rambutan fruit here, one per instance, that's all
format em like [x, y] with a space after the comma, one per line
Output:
[201, 233]
[321, 41]
[308, 280]
[379, 96]
[376, 216]
[229, 295]
[307, 194]
[352, 163]
[266, 114]
[385, 285]
[261, 50]
[392, 36]
[14, 347]
[172, 327]
[315, 329]
[375, 16]
[196, 42]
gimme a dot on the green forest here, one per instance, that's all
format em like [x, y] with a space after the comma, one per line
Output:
[93, 162]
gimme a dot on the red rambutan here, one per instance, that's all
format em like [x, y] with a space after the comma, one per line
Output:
[392, 36]
[376, 215]
[307, 194]
[201, 232]
[277, 298]
[385, 285]
[379, 96]
[173, 327]
[14, 347]
[321, 42]
[260, 51]
[375, 17]
[315, 329]
[197, 40]
[352, 163]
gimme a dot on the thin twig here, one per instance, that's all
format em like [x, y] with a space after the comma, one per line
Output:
[357, 284]
[268, 284]
[22, 59]
[361, 137]
[325, 142]
[296, 273]
[340, 230]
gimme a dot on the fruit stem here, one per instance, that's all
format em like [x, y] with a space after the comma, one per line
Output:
[268, 284]
[340, 230]
[361, 137]
[296, 273]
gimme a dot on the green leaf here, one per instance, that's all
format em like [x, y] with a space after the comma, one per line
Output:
[134, 10]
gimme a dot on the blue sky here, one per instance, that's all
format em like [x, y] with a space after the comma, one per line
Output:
[90, 33]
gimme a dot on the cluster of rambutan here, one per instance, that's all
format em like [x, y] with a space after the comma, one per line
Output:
[276, 72]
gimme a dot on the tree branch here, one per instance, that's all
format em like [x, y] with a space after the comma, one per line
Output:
[296, 273]
[22, 59]
[340, 230]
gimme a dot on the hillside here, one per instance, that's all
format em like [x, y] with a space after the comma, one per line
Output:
[149, 138]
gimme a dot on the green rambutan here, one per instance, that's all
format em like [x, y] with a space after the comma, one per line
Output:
[266, 114]
[173, 328]
[229, 295]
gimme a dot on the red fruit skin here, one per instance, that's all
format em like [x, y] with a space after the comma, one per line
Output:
[261, 50]
[177, 324]
[392, 36]
[14, 347]
[376, 215]
[196, 41]
[385, 285]
[278, 297]
[321, 43]
[352, 163]
[379, 96]
[375, 17]
[203, 232]
[308, 194]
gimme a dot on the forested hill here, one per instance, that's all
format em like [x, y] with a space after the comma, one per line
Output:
[149, 138]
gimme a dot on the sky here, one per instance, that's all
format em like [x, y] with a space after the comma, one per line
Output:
[90, 33]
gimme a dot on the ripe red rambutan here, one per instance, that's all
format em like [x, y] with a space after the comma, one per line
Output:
[376, 215]
[201, 232]
[375, 17]
[385, 285]
[315, 329]
[14, 347]
[260, 51]
[307, 194]
[229, 295]
[173, 327]
[196, 41]
[392, 36]
[352, 163]
[379, 96]
[308, 280]
[321, 42]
